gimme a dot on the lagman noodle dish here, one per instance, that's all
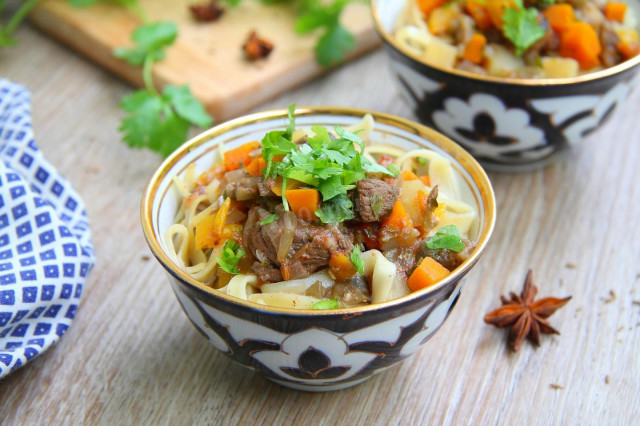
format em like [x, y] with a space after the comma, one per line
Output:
[520, 39]
[321, 218]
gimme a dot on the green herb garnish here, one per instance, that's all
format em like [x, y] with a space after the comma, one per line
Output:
[395, 171]
[376, 205]
[521, 27]
[332, 166]
[356, 259]
[422, 161]
[158, 121]
[269, 219]
[448, 237]
[336, 210]
[326, 304]
[6, 31]
[231, 255]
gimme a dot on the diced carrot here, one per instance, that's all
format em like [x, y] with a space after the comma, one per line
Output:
[628, 50]
[399, 218]
[427, 6]
[581, 43]
[474, 50]
[615, 11]
[205, 238]
[560, 16]
[408, 175]
[255, 167]
[425, 179]
[240, 156]
[478, 11]
[304, 202]
[628, 45]
[426, 274]
[496, 9]
[440, 20]
[341, 266]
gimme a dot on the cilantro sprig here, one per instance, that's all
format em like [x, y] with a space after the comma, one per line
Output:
[356, 259]
[326, 304]
[521, 27]
[6, 31]
[230, 257]
[448, 237]
[155, 120]
[330, 165]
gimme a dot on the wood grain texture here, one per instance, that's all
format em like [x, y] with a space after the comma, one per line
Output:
[132, 357]
[206, 56]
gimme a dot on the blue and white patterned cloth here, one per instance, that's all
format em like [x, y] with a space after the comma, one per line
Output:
[45, 244]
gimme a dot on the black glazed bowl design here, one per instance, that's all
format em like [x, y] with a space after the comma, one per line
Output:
[508, 124]
[310, 349]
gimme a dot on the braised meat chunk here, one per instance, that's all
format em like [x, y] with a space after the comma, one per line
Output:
[374, 199]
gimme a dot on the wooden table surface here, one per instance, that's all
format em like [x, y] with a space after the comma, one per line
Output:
[132, 357]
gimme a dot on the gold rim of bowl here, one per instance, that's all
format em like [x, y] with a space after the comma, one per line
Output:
[597, 75]
[463, 159]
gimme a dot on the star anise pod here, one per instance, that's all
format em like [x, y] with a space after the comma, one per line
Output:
[207, 12]
[257, 48]
[525, 317]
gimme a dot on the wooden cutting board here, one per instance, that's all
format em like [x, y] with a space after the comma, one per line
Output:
[206, 56]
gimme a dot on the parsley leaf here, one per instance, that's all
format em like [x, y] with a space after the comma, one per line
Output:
[376, 205]
[151, 40]
[326, 304]
[336, 210]
[356, 259]
[448, 237]
[521, 27]
[269, 219]
[333, 47]
[231, 255]
[336, 41]
[186, 106]
[160, 122]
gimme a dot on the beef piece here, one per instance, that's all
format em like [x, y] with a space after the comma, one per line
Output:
[261, 240]
[267, 272]
[310, 249]
[241, 186]
[374, 199]
[447, 258]
[609, 39]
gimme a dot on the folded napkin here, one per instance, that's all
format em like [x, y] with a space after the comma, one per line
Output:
[45, 245]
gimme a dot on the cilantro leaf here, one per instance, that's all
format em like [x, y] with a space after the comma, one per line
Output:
[336, 210]
[448, 237]
[186, 106]
[395, 171]
[521, 28]
[356, 259]
[334, 45]
[269, 219]
[231, 255]
[150, 40]
[151, 123]
[326, 304]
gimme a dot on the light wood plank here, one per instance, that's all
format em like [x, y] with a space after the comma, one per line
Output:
[131, 356]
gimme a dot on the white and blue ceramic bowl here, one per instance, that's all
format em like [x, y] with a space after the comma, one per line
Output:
[508, 124]
[310, 349]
